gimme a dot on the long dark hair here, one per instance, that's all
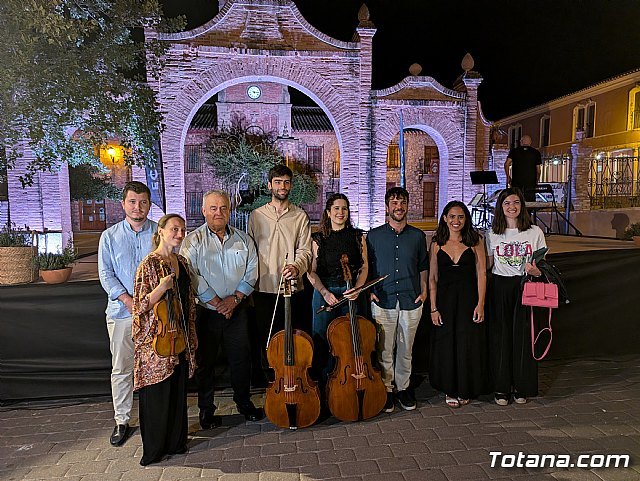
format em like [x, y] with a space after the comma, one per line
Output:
[499, 225]
[325, 221]
[470, 236]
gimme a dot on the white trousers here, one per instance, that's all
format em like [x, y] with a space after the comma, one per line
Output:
[397, 330]
[121, 346]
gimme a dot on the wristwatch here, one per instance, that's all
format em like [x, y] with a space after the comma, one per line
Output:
[237, 299]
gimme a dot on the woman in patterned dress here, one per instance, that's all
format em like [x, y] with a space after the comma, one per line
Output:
[161, 381]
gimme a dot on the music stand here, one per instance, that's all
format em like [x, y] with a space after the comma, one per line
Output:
[483, 177]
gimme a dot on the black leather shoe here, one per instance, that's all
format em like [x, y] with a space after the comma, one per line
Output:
[119, 435]
[250, 412]
[208, 420]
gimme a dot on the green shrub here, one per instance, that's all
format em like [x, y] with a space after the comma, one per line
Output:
[52, 261]
[11, 236]
[632, 230]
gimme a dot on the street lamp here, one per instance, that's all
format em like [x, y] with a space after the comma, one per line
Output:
[111, 152]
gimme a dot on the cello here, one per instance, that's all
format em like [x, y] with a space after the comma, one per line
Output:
[170, 334]
[292, 399]
[355, 390]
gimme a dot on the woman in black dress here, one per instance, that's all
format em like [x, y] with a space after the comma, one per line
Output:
[457, 282]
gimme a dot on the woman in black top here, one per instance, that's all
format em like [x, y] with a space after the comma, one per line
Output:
[336, 237]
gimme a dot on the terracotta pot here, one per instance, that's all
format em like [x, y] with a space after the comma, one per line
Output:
[636, 240]
[56, 276]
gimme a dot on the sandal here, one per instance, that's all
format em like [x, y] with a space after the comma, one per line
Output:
[463, 402]
[452, 402]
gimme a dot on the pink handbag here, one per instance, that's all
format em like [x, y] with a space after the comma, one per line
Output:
[540, 294]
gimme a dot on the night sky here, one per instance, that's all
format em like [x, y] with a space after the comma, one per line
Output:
[528, 51]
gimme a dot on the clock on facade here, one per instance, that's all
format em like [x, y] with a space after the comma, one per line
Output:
[254, 92]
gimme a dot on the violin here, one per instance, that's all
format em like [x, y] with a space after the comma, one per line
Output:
[170, 334]
[292, 399]
[355, 390]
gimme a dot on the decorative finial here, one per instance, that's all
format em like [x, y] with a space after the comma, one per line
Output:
[415, 69]
[363, 14]
[467, 62]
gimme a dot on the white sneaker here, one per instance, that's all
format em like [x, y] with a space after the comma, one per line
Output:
[519, 399]
[502, 399]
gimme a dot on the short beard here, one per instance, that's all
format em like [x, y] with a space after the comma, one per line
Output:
[398, 219]
[279, 196]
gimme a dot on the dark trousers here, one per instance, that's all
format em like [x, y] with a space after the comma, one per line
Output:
[513, 368]
[213, 329]
[264, 304]
[162, 409]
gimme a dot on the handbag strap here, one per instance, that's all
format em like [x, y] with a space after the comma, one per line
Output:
[534, 337]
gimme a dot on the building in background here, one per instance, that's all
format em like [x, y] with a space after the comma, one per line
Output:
[590, 143]
[248, 60]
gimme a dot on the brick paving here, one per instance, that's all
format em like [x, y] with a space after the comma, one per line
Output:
[586, 407]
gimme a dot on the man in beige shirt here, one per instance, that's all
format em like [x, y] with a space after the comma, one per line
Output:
[281, 231]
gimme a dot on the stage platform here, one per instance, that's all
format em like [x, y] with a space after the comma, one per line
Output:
[54, 341]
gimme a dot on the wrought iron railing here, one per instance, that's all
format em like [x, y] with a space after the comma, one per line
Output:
[555, 169]
[614, 182]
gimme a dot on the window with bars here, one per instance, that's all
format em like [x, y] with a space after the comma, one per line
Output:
[634, 108]
[590, 126]
[393, 156]
[314, 157]
[585, 119]
[515, 134]
[193, 158]
[431, 158]
[194, 204]
[545, 123]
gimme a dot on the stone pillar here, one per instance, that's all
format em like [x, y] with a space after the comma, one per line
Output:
[580, 170]
[472, 81]
[365, 191]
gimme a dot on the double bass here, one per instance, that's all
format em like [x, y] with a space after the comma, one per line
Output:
[292, 399]
[355, 390]
[170, 333]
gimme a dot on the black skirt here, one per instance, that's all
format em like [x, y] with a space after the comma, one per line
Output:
[513, 368]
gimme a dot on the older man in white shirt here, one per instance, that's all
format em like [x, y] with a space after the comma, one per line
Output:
[224, 263]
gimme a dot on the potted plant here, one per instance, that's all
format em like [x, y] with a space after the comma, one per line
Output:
[633, 233]
[56, 268]
[16, 255]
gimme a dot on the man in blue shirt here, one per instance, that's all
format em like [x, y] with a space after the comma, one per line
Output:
[122, 247]
[399, 250]
[224, 265]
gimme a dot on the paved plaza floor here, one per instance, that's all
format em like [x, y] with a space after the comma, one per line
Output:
[586, 407]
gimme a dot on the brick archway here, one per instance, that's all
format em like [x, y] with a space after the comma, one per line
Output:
[447, 133]
[269, 40]
[182, 110]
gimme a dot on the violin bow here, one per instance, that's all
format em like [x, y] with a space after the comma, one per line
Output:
[275, 308]
[358, 290]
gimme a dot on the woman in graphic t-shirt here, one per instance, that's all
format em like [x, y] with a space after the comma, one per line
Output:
[510, 244]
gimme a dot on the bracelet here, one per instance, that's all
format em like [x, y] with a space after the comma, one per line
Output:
[434, 310]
